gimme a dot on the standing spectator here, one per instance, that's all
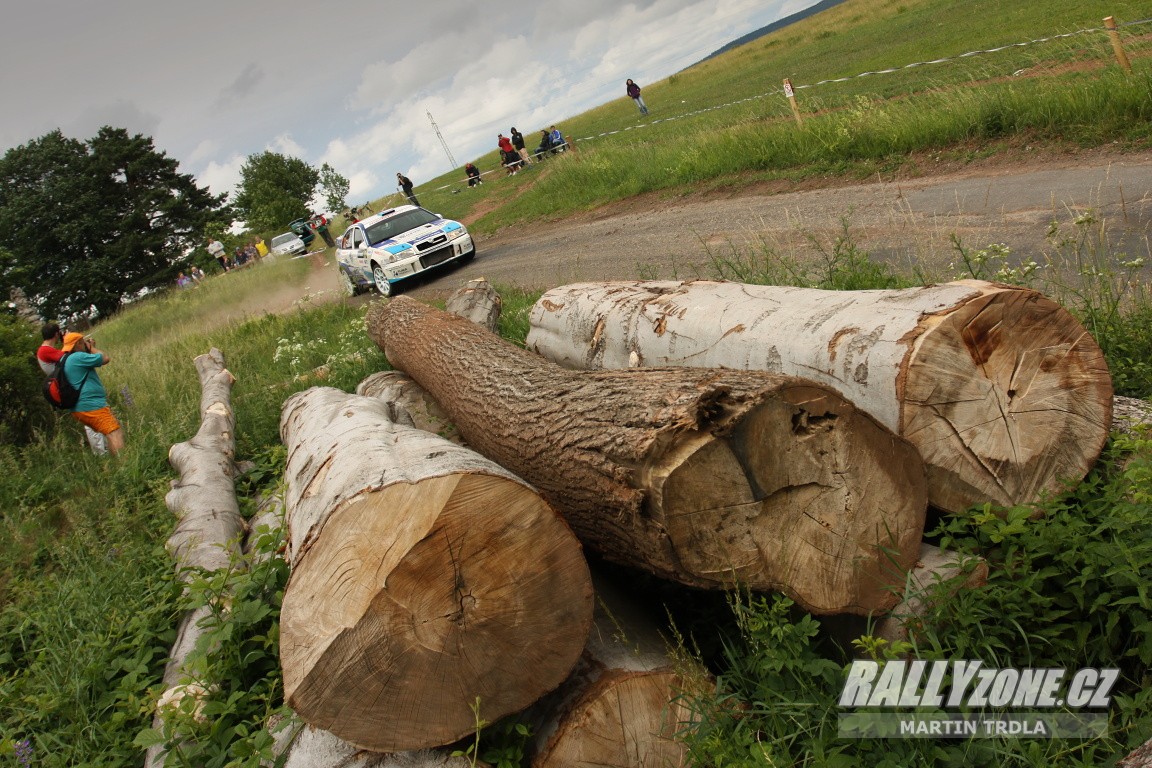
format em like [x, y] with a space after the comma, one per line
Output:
[518, 143]
[634, 94]
[508, 155]
[48, 356]
[91, 409]
[473, 172]
[319, 225]
[406, 185]
[216, 250]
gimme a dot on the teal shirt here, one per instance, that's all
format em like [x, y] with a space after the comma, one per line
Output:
[92, 395]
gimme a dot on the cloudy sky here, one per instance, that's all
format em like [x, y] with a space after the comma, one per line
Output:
[351, 83]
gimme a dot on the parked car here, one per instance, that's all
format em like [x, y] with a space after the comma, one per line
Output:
[394, 245]
[287, 244]
[303, 230]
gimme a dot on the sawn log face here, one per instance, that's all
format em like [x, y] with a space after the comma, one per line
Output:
[424, 577]
[709, 477]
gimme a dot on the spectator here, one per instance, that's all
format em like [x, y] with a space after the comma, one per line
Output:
[91, 409]
[216, 250]
[406, 185]
[48, 356]
[183, 281]
[634, 94]
[518, 143]
[557, 139]
[508, 156]
[473, 172]
[196, 274]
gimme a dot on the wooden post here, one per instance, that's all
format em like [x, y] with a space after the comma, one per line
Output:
[1117, 46]
[791, 94]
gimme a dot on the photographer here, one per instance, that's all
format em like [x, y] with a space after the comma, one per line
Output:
[91, 409]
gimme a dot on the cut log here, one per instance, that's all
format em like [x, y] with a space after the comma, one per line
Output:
[710, 478]
[408, 404]
[1004, 393]
[625, 701]
[937, 575]
[477, 301]
[424, 577]
[209, 529]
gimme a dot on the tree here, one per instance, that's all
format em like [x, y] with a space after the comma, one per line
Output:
[274, 189]
[87, 225]
[334, 188]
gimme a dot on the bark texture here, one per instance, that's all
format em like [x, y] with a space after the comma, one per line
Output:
[409, 404]
[304, 746]
[625, 700]
[209, 530]
[712, 478]
[1004, 393]
[477, 301]
[424, 577]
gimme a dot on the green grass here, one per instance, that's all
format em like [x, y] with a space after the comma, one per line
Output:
[87, 602]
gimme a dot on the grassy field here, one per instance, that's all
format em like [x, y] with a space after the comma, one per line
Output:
[88, 604]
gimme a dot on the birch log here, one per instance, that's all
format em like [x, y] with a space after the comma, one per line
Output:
[299, 745]
[937, 575]
[209, 527]
[424, 577]
[1004, 393]
[625, 701]
[477, 301]
[710, 478]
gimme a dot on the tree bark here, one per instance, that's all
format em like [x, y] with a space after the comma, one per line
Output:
[1004, 393]
[408, 404]
[624, 702]
[424, 577]
[209, 529]
[304, 746]
[710, 478]
[477, 301]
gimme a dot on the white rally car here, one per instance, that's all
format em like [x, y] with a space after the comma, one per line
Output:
[396, 244]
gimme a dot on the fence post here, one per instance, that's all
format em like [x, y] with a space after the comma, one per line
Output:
[792, 100]
[1117, 46]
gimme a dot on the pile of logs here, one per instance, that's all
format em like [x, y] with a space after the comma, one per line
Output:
[713, 434]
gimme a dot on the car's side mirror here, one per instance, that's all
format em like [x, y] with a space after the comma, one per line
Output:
[362, 247]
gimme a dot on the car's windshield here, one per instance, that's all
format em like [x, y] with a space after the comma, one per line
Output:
[399, 224]
[281, 239]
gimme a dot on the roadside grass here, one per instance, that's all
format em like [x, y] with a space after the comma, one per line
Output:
[732, 125]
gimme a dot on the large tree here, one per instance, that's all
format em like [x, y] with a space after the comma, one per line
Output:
[334, 188]
[89, 224]
[274, 190]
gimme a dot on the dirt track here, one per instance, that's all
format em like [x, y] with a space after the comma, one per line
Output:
[908, 222]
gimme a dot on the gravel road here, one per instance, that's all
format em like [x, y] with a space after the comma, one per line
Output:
[904, 221]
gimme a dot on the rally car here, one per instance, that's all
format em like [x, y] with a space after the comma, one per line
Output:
[394, 245]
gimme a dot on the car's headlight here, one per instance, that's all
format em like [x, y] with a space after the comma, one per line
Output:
[456, 233]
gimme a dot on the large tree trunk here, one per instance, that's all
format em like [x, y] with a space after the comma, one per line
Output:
[209, 528]
[1004, 393]
[424, 579]
[624, 702]
[711, 478]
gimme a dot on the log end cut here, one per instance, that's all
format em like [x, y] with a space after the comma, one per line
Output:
[807, 495]
[1008, 398]
[393, 629]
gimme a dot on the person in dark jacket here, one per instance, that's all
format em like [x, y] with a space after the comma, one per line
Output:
[473, 172]
[406, 185]
[518, 143]
[634, 94]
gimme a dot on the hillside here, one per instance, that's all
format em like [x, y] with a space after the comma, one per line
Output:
[823, 5]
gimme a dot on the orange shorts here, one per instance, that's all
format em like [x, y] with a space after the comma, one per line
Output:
[100, 420]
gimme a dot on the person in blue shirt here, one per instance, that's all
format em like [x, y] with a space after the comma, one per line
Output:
[91, 409]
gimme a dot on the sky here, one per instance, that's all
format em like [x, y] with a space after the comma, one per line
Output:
[349, 84]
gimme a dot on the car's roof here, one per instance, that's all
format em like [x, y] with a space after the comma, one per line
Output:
[384, 215]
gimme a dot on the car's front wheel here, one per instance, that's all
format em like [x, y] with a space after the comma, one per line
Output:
[347, 283]
[381, 281]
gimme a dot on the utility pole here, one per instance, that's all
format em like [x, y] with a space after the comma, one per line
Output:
[442, 142]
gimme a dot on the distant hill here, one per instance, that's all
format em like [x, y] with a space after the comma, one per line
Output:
[823, 5]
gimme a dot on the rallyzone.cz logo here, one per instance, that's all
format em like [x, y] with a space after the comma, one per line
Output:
[965, 699]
